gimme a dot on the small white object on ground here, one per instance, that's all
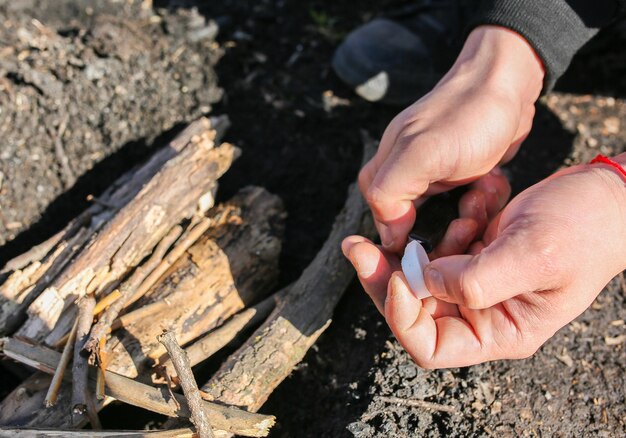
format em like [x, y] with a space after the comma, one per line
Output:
[413, 263]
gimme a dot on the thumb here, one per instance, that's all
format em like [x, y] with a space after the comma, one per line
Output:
[509, 266]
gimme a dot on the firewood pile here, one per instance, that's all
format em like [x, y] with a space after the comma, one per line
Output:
[101, 310]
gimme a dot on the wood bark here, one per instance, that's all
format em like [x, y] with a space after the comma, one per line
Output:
[251, 374]
[232, 265]
[199, 417]
[159, 400]
[81, 394]
[27, 276]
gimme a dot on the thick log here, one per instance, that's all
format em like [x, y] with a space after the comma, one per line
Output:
[233, 264]
[28, 275]
[229, 419]
[250, 375]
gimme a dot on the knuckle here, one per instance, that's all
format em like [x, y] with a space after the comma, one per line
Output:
[374, 195]
[547, 261]
[472, 293]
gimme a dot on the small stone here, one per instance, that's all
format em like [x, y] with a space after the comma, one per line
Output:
[566, 359]
[13, 225]
[526, 414]
[607, 339]
[496, 408]
[592, 142]
[359, 429]
[612, 125]
[360, 334]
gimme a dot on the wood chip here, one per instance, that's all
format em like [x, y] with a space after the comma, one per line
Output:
[566, 359]
[617, 340]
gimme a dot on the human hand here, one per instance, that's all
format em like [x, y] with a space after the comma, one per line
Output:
[541, 263]
[475, 118]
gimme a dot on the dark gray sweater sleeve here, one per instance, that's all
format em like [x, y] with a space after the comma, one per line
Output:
[556, 29]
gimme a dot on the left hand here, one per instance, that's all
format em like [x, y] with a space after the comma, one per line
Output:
[541, 263]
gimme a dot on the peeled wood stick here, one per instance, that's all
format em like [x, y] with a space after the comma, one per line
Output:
[199, 417]
[80, 367]
[102, 327]
[61, 365]
[228, 418]
[106, 301]
[207, 346]
[169, 260]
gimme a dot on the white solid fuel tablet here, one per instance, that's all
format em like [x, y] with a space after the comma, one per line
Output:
[414, 261]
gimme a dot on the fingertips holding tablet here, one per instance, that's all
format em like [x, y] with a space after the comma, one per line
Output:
[413, 263]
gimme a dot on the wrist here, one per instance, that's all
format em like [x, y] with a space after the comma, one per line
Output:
[614, 181]
[504, 62]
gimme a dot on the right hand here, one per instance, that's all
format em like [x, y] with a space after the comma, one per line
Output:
[474, 119]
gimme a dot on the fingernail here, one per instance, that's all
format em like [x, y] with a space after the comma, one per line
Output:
[386, 237]
[365, 266]
[434, 281]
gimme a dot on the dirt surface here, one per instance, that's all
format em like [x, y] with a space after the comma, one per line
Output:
[80, 84]
[299, 131]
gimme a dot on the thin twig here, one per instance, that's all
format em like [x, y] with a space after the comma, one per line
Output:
[100, 201]
[57, 378]
[106, 301]
[415, 403]
[80, 368]
[199, 417]
[102, 327]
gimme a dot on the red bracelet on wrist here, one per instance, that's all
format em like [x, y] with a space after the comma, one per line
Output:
[614, 164]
